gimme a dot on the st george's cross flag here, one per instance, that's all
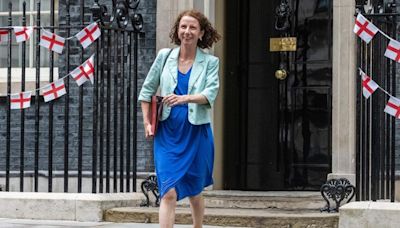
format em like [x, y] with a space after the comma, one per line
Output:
[393, 107]
[364, 29]
[88, 35]
[20, 100]
[22, 33]
[3, 35]
[393, 50]
[84, 72]
[369, 86]
[53, 90]
[52, 41]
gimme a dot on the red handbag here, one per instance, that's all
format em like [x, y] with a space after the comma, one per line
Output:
[156, 105]
[156, 112]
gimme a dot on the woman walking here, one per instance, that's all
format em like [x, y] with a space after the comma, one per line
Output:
[184, 145]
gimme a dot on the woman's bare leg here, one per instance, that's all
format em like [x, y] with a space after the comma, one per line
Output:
[166, 214]
[197, 206]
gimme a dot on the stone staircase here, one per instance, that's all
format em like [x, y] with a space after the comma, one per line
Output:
[243, 209]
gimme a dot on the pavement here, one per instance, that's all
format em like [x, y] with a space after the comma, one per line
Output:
[19, 223]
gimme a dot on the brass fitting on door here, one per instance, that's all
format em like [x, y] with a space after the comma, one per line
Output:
[281, 74]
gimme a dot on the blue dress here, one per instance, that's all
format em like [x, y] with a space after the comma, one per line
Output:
[183, 153]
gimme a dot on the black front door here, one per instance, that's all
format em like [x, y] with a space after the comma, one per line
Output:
[277, 133]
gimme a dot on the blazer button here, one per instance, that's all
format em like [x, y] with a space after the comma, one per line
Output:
[190, 110]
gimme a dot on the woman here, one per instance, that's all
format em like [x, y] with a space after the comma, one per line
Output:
[183, 145]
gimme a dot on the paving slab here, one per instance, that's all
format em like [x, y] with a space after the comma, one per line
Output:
[63, 206]
[22, 223]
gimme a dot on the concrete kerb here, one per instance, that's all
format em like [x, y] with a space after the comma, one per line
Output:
[369, 214]
[83, 207]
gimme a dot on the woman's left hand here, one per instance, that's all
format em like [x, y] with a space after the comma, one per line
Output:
[173, 99]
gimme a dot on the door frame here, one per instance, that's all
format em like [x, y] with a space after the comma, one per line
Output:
[236, 70]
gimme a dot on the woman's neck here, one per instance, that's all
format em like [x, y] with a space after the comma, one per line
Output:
[187, 53]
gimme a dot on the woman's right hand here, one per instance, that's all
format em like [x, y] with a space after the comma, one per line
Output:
[146, 120]
[148, 132]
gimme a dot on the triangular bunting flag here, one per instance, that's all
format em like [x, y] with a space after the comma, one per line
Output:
[20, 100]
[22, 33]
[84, 72]
[3, 36]
[393, 50]
[52, 41]
[364, 29]
[369, 86]
[53, 90]
[89, 34]
[393, 107]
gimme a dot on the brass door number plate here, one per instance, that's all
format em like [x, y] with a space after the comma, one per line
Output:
[283, 44]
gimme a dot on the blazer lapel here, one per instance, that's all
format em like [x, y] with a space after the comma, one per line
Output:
[172, 64]
[197, 68]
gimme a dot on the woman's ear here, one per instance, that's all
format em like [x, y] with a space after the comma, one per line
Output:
[201, 35]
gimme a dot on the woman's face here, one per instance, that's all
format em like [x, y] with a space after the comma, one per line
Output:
[189, 31]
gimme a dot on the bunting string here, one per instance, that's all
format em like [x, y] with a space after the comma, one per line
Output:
[4, 29]
[366, 30]
[54, 90]
[379, 87]
[385, 35]
[55, 43]
[43, 29]
[23, 33]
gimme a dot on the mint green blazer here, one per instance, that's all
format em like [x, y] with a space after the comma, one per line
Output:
[203, 80]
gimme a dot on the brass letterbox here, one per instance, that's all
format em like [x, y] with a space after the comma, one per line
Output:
[283, 44]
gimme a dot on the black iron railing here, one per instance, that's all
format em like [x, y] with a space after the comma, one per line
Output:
[375, 154]
[109, 105]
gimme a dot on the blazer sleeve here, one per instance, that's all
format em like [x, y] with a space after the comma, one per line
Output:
[152, 81]
[212, 81]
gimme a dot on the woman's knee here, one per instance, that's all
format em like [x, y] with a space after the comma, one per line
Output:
[170, 196]
[196, 200]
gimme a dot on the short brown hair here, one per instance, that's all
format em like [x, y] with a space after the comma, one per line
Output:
[210, 34]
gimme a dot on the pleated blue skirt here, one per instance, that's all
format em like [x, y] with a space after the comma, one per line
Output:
[183, 153]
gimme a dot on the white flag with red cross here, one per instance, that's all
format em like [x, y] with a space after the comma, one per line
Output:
[3, 35]
[393, 107]
[84, 72]
[20, 100]
[52, 41]
[89, 34]
[364, 28]
[369, 86]
[22, 33]
[393, 50]
[53, 90]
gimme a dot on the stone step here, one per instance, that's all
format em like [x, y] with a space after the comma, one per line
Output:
[231, 217]
[260, 200]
